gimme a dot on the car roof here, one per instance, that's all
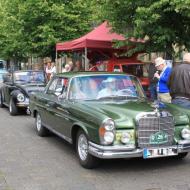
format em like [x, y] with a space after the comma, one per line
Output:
[89, 73]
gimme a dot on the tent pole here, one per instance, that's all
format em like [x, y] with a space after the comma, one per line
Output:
[56, 60]
[85, 62]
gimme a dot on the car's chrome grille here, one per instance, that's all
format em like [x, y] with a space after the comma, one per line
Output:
[151, 124]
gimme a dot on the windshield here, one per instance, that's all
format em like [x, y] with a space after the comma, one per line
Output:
[98, 87]
[29, 77]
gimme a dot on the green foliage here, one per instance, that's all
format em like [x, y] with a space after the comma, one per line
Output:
[165, 23]
[33, 27]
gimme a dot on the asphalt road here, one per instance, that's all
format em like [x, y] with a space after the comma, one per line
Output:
[30, 162]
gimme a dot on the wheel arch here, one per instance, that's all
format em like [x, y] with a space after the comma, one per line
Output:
[14, 94]
[74, 131]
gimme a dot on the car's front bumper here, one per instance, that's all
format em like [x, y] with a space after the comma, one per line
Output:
[110, 152]
[24, 104]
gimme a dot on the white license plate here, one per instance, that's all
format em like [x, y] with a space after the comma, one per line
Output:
[158, 152]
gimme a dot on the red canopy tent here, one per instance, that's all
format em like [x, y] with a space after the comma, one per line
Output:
[99, 38]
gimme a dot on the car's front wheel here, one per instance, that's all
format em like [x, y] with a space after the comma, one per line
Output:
[1, 100]
[86, 160]
[13, 110]
[41, 130]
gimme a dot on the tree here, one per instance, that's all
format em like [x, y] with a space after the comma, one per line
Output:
[10, 33]
[33, 27]
[164, 24]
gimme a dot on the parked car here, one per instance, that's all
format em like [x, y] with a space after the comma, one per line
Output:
[76, 107]
[131, 66]
[17, 88]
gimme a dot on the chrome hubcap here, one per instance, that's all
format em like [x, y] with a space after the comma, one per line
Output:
[82, 147]
[38, 122]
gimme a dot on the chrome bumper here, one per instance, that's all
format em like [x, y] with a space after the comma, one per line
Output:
[110, 152]
[23, 104]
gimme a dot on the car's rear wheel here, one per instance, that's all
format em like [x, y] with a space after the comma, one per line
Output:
[13, 110]
[1, 100]
[41, 130]
[86, 160]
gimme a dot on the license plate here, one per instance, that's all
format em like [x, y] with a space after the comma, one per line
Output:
[159, 152]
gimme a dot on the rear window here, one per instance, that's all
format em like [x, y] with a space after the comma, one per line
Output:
[136, 70]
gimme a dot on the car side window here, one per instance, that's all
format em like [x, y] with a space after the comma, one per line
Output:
[61, 86]
[52, 87]
[57, 86]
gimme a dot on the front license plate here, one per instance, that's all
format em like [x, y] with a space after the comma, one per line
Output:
[159, 152]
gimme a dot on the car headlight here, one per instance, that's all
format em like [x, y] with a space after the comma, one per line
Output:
[107, 131]
[108, 137]
[20, 97]
[185, 133]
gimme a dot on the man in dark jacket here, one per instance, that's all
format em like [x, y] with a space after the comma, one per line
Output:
[179, 83]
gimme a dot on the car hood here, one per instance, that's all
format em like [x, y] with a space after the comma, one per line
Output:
[32, 88]
[125, 113]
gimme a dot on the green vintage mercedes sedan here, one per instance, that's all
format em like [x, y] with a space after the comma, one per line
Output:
[106, 116]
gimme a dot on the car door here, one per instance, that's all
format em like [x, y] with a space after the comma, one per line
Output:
[62, 116]
[7, 88]
[48, 104]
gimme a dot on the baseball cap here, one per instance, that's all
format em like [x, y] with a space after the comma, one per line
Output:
[159, 61]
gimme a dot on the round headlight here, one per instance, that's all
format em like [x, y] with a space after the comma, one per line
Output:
[109, 125]
[20, 97]
[108, 137]
[185, 133]
[125, 137]
[107, 131]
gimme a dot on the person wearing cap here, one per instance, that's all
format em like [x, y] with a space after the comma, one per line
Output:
[163, 78]
[179, 83]
[110, 88]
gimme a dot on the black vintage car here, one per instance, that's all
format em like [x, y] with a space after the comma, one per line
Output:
[17, 88]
